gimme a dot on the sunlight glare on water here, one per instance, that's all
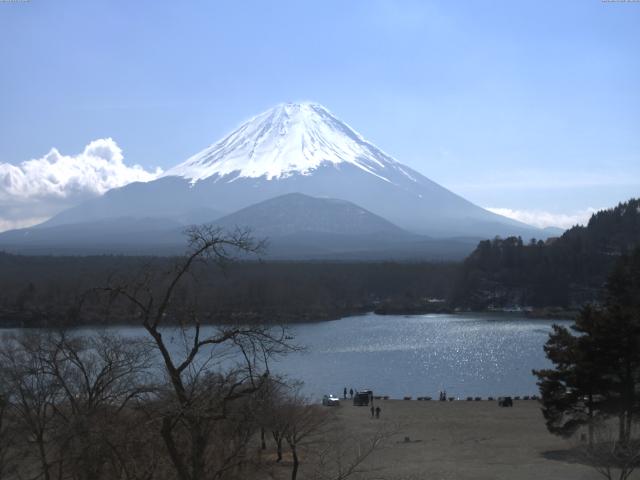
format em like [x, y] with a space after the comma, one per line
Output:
[464, 354]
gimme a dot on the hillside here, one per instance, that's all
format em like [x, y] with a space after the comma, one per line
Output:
[563, 272]
[296, 213]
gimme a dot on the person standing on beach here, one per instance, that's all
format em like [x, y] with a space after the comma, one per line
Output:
[351, 393]
[372, 410]
[377, 411]
[345, 393]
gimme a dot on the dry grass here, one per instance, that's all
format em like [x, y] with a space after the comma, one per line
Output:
[459, 441]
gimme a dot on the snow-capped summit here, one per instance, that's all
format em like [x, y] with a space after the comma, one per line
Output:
[288, 139]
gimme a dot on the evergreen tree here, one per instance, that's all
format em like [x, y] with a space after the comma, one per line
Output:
[621, 340]
[571, 392]
[596, 370]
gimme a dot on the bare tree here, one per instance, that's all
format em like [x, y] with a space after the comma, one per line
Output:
[66, 394]
[299, 421]
[331, 453]
[135, 450]
[608, 455]
[265, 411]
[98, 377]
[31, 398]
[7, 435]
[342, 455]
[200, 392]
[270, 414]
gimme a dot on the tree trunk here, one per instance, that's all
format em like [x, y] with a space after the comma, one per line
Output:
[174, 454]
[590, 420]
[43, 458]
[630, 404]
[198, 447]
[296, 463]
[621, 424]
[263, 443]
[628, 401]
[278, 438]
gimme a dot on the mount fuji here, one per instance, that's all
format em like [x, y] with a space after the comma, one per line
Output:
[291, 148]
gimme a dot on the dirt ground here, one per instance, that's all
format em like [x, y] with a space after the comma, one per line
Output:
[462, 440]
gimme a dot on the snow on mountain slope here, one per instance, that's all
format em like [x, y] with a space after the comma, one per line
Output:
[299, 148]
[292, 138]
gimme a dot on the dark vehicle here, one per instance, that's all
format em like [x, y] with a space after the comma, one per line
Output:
[505, 402]
[362, 398]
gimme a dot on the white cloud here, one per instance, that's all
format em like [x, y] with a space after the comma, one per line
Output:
[22, 223]
[37, 189]
[542, 219]
[98, 168]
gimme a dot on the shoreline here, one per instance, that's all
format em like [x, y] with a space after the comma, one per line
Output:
[249, 318]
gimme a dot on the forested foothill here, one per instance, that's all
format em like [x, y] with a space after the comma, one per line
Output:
[561, 273]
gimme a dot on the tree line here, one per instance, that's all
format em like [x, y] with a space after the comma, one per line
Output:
[39, 291]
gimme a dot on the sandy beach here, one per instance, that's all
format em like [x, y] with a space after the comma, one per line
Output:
[460, 440]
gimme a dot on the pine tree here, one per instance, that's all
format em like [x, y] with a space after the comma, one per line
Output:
[621, 340]
[596, 370]
[571, 392]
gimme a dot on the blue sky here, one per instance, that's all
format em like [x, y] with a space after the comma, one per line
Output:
[532, 107]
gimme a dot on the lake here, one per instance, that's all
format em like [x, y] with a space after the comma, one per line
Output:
[420, 355]
[414, 355]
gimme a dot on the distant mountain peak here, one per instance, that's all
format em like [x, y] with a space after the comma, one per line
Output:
[296, 213]
[288, 139]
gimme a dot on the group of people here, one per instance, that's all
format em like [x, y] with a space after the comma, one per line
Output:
[375, 411]
[443, 396]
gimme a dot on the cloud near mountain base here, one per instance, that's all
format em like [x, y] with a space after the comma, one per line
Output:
[543, 219]
[37, 189]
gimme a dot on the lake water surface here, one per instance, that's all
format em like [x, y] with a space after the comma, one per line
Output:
[416, 355]
[420, 355]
